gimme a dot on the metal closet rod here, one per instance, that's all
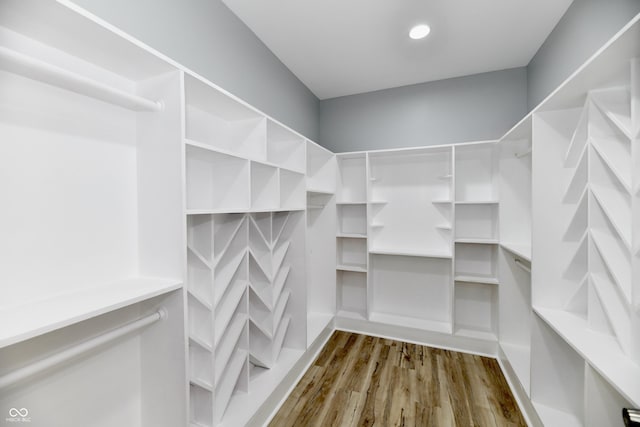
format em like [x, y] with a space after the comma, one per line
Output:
[88, 345]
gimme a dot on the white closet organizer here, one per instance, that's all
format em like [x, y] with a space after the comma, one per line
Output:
[90, 307]
[126, 175]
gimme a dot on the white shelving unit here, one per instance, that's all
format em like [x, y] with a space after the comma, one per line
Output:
[351, 237]
[91, 258]
[175, 246]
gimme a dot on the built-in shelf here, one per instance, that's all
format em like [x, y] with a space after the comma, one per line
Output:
[351, 235]
[342, 202]
[477, 202]
[601, 351]
[411, 322]
[478, 241]
[401, 252]
[23, 322]
[476, 278]
[350, 267]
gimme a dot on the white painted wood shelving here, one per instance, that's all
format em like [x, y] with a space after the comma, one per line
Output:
[172, 256]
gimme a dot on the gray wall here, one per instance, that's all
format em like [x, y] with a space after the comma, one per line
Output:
[584, 28]
[471, 108]
[205, 36]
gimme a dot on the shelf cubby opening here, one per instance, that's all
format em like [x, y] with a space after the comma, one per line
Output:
[200, 323]
[352, 294]
[292, 190]
[476, 222]
[199, 279]
[265, 191]
[476, 262]
[229, 306]
[514, 209]
[216, 182]
[614, 106]
[475, 169]
[201, 365]
[227, 275]
[352, 178]
[200, 236]
[412, 292]
[579, 138]
[352, 254]
[285, 148]
[201, 406]
[321, 169]
[579, 179]
[352, 219]
[476, 310]
[230, 341]
[262, 225]
[215, 119]
[229, 231]
[235, 380]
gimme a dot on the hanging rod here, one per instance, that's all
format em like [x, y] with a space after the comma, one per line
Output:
[36, 69]
[70, 353]
[524, 153]
[522, 265]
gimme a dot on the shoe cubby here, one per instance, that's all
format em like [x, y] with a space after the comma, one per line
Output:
[293, 195]
[351, 254]
[476, 223]
[321, 169]
[352, 178]
[352, 220]
[285, 148]
[216, 120]
[476, 262]
[351, 294]
[265, 187]
[476, 310]
[216, 182]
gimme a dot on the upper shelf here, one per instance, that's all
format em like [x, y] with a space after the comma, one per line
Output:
[28, 321]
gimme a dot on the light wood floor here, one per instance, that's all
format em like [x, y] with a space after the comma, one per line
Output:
[359, 380]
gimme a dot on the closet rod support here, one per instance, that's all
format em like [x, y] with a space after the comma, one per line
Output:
[75, 351]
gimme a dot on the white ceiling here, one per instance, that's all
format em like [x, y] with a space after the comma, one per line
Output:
[343, 47]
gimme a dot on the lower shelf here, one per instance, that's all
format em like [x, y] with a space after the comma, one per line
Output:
[469, 332]
[411, 322]
[601, 351]
[554, 417]
[242, 406]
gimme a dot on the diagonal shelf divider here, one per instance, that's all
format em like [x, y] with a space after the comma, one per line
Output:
[228, 343]
[578, 302]
[224, 276]
[619, 168]
[226, 309]
[579, 221]
[613, 214]
[579, 179]
[616, 310]
[278, 312]
[615, 105]
[258, 226]
[280, 220]
[579, 138]
[229, 241]
[615, 261]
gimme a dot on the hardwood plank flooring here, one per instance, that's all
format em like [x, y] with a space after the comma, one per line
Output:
[359, 380]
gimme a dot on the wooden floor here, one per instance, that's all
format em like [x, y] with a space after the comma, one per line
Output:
[359, 380]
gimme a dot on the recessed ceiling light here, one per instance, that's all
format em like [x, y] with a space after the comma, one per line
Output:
[419, 31]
